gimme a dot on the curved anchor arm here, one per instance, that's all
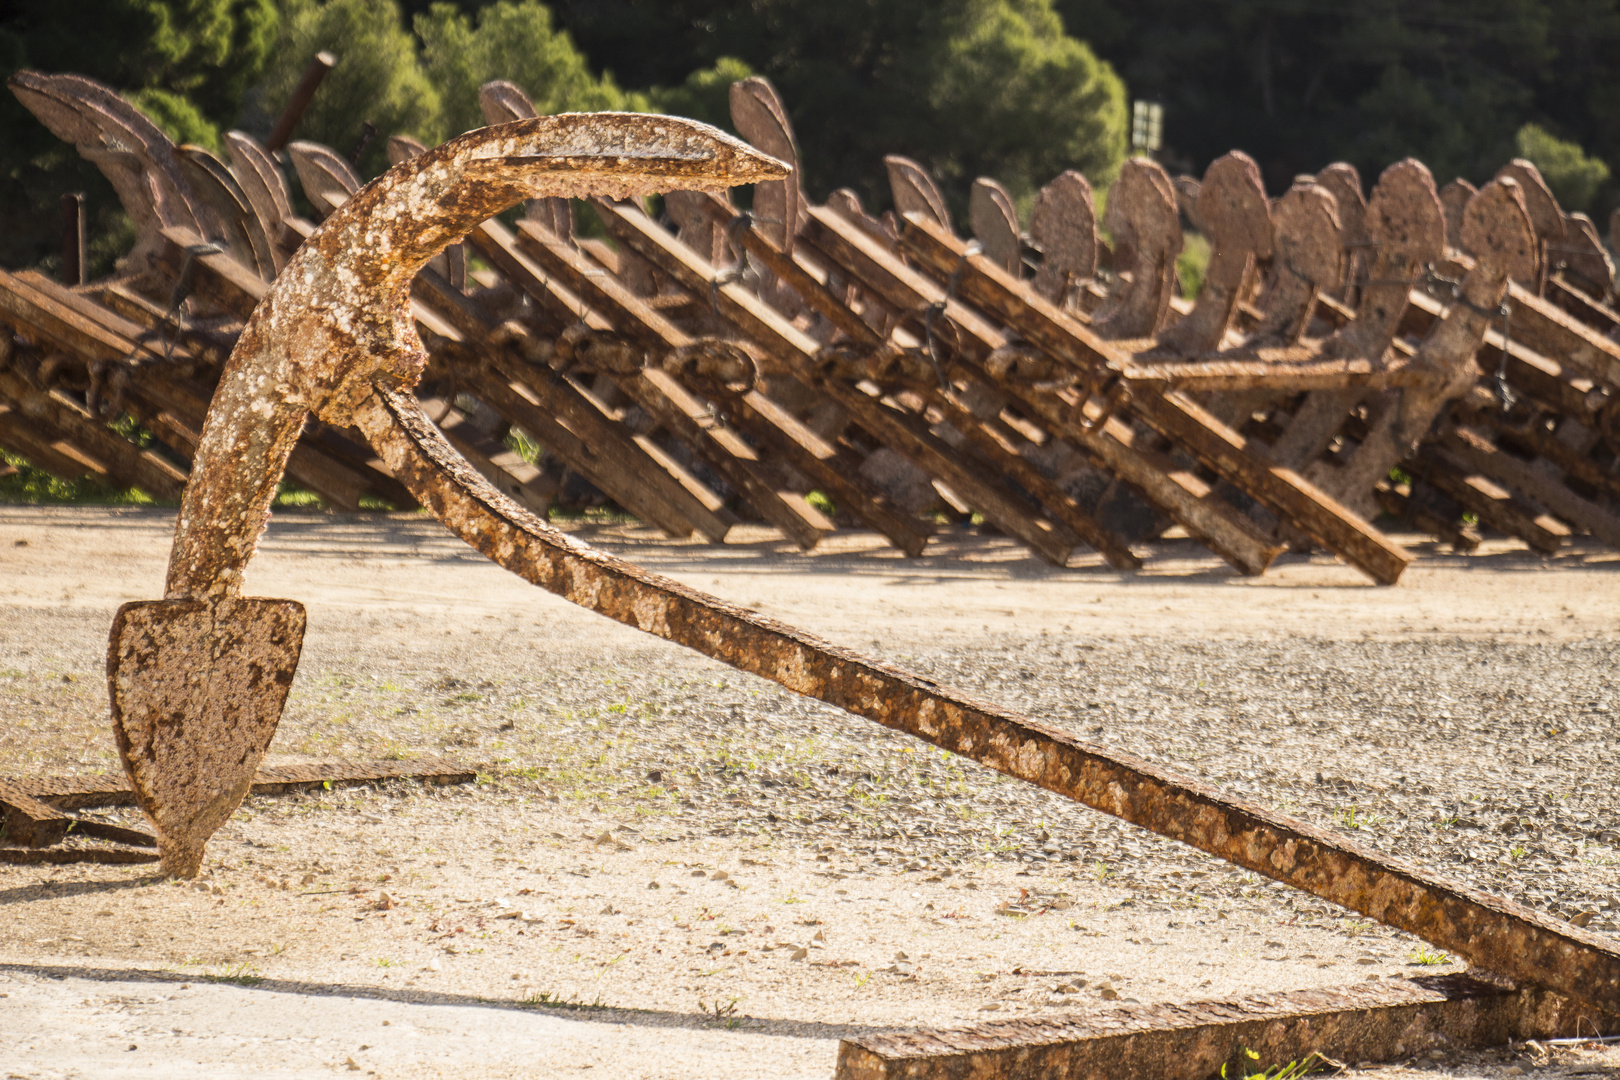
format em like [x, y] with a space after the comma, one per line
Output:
[350, 281]
[337, 320]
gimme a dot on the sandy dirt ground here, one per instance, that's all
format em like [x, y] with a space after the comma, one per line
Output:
[669, 869]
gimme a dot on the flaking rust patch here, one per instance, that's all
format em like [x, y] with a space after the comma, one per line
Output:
[1032, 758]
[651, 614]
[197, 690]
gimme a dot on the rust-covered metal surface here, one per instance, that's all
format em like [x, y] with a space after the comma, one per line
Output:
[1173, 414]
[336, 338]
[338, 318]
[85, 792]
[197, 688]
[1492, 933]
[1272, 347]
[1234, 213]
[198, 680]
[1192, 1041]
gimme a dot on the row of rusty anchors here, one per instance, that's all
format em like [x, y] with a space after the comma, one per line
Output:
[332, 339]
[1415, 262]
[1084, 485]
[198, 680]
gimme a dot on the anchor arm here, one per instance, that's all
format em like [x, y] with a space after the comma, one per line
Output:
[337, 320]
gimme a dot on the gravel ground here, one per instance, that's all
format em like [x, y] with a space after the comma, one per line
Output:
[1464, 719]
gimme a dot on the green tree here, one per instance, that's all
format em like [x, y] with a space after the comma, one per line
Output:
[187, 61]
[704, 95]
[1573, 177]
[1300, 83]
[378, 78]
[515, 41]
[968, 87]
[1035, 100]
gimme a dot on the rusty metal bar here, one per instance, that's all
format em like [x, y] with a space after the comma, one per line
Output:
[1193, 1041]
[302, 95]
[629, 468]
[1539, 486]
[74, 270]
[1275, 374]
[1495, 506]
[1495, 934]
[85, 792]
[661, 395]
[125, 462]
[908, 434]
[760, 417]
[790, 269]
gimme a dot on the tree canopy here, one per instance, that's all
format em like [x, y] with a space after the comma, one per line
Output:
[967, 87]
[1015, 89]
[1301, 83]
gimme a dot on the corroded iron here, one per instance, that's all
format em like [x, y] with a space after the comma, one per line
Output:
[326, 177]
[1371, 1022]
[197, 689]
[759, 116]
[501, 103]
[1496, 228]
[1406, 225]
[1063, 225]
[1308, 259]
[334, 338]
[915, 191]
[1232, 207]
[1146, 227]
[1495, 934]
[1454, 198]
[1557, 352]
[198, 680]
[995, 224]
[135, 156]
[1343, 181]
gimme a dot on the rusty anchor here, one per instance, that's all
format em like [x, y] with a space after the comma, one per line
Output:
[198, 680]
[333, 338]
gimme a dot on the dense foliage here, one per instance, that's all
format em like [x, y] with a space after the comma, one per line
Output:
[968, 87]
[187, 62]
[1017, 89]
[1299, 83]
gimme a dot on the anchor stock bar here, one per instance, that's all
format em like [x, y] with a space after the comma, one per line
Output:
[1492, 933]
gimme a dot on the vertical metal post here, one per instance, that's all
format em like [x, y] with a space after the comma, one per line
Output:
[73, 257]
[302, 95]
[368, 132]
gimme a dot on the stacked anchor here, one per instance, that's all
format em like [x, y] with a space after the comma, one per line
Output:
[800, 362]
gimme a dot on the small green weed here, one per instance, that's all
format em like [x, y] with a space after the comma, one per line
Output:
[722, 1011]
[1351, 817]
[1291, 1071]
[243, 974]
[557, 1001]
[1427, 957]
